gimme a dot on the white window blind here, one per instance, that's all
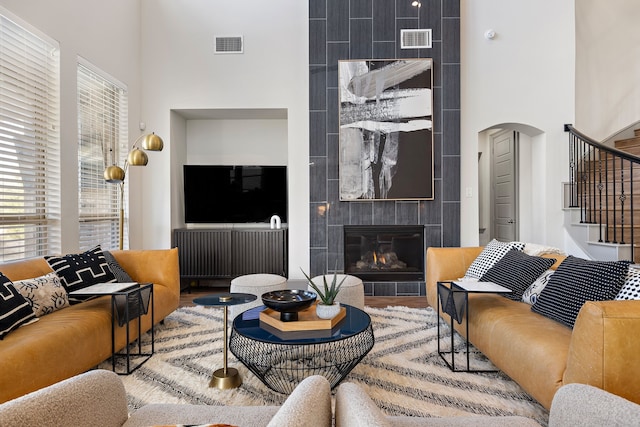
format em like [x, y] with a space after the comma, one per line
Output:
[29, 143]
[102, 141]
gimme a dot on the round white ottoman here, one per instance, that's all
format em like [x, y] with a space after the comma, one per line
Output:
[256, 284]
[351, 292]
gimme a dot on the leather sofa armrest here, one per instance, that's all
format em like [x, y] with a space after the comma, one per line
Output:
[95, 398]
[447, 264]
[159, 266]
[605, 350]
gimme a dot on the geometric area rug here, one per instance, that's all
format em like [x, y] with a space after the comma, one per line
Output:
[403, 373]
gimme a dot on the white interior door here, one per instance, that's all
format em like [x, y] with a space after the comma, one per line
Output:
[504, 186]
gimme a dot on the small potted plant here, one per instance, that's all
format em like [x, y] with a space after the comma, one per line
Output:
[327, 307]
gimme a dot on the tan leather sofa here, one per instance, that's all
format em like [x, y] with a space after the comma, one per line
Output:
[540, 354]
[75, 339]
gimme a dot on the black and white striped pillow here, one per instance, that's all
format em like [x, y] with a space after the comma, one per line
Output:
[576, 281]
[15, 310]
[517, 271]
[491, 254]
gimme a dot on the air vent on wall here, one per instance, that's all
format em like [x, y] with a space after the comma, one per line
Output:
[415, 39]
[233, 44]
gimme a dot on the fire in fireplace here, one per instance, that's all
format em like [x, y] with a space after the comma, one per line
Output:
[384, 252]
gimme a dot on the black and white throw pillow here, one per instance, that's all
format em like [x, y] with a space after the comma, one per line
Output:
[15, 310]
[631, 287]
[77, 271]
[531, 295]
[576, 281]
[517, 271]
[491, 254]
[121, 275]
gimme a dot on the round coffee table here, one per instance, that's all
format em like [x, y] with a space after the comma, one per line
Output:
[225, 377]
[281, 360]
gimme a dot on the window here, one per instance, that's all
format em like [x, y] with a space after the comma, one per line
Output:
[102, 141]
[29, 143]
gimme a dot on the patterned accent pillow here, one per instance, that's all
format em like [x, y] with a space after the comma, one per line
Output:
[531, 295]
[45, 293]
[489, 256]
[576, 281]
[15, 310]
[631, 287]
[77, 271]
[121, 275]
[516, 271]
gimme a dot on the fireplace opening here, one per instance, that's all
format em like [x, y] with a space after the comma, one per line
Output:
[384, 252]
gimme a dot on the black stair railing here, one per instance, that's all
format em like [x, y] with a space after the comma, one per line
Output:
[603, 186]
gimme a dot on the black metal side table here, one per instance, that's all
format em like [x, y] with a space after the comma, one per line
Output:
[129, 301]
[454, 299]
[225, 377]
[282, 360]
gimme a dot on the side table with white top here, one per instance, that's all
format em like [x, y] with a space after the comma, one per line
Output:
[129, 301]
[454, 299]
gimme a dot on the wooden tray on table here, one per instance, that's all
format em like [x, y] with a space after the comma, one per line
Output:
[307, 320]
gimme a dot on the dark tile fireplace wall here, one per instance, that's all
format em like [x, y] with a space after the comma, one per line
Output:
[370, 29]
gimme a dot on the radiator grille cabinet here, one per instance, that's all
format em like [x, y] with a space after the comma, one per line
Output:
[260, 251]
[222, 253]
[204, 253]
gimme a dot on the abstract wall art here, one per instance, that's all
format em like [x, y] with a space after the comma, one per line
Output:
[386, 129]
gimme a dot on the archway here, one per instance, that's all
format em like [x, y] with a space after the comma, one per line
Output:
[494, 216]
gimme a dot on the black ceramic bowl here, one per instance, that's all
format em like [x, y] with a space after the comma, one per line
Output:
[288, 302]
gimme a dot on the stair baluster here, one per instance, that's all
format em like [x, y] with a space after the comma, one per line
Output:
[604, 195]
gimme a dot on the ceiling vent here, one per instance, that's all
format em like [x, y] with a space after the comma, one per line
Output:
[415, 39]
[232, 44]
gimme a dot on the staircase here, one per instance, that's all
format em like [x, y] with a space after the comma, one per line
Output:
[602, 199]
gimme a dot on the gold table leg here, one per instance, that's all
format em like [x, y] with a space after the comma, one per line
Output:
[226, 377]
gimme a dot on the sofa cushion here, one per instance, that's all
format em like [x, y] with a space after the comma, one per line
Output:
[491, 254]
[576, 281]
[532, 293]
[15, 310]
[631, 287]
[77, 271]
[516, 271]
[45, 293]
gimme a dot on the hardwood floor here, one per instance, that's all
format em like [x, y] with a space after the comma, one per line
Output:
[186, 298]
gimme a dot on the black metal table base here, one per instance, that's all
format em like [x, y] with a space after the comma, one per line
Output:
[281, 367]
[127, 306]
[455, 303]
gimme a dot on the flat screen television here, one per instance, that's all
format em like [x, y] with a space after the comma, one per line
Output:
[234, 194]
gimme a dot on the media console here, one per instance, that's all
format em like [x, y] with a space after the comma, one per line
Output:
[215, 253]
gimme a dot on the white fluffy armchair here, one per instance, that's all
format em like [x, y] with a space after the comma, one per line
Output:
[574, 405]
[98, 398]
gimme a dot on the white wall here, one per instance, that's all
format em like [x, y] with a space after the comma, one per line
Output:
[181, 72]
[237, 142]
[607, 66]
[106, 33]
[525, 75]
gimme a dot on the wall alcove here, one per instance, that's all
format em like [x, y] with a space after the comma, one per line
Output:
[224, 136]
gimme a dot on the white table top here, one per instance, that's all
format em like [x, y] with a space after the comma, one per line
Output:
[105, 288]
[489, 287]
